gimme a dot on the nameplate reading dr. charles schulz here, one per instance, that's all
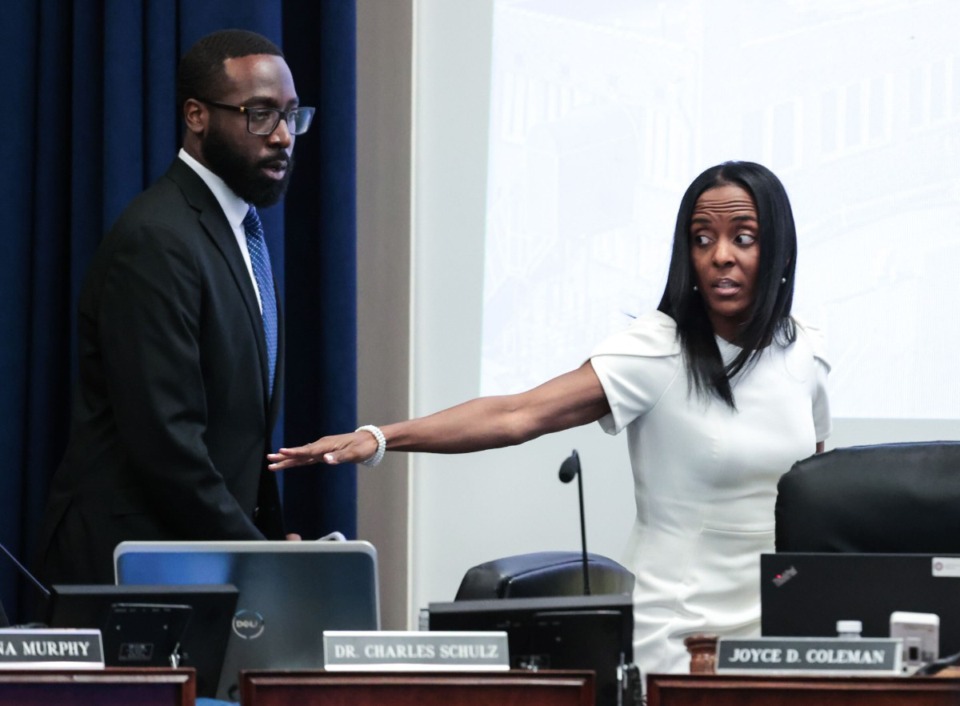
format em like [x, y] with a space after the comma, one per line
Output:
[22, 648]
[350, 650]
[810, 655]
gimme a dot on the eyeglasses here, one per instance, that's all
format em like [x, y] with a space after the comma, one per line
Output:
[263, 121]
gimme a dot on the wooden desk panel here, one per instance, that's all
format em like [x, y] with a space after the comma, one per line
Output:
[731, 690]
[103, 687]
[319, 688]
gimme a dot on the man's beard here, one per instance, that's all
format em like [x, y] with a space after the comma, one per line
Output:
[245, 178]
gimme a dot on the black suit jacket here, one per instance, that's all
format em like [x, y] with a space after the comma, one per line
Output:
[172, 417]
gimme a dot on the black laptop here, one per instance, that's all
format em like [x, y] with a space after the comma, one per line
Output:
[805, 594]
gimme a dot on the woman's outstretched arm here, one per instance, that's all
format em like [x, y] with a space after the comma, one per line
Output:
[567, 401]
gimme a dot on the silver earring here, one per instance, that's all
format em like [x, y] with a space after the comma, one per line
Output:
[783, 280]
[695, 288]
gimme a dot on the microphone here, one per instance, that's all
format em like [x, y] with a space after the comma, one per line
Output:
[25, 572]
[568, 469]
[33, 579]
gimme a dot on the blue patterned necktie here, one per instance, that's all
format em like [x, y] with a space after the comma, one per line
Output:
[260, 259]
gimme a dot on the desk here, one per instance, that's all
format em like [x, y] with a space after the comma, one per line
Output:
[319, 688]
[766, 690]
[103, 687]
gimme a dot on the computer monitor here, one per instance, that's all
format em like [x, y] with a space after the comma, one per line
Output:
[142, 625]
[804, 594]
[562, 632]
[290, 592]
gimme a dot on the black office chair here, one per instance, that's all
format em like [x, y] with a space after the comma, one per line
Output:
[543, 574]
[891, 498]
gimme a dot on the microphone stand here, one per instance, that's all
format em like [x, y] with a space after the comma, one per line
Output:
[583, 536]
[568, 469]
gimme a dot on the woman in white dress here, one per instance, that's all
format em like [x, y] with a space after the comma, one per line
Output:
[720, 391]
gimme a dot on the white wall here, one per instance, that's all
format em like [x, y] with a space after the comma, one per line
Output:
[384, 96]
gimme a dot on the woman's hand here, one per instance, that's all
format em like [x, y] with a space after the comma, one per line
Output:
[342, 448]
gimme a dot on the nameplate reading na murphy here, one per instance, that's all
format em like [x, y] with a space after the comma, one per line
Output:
[810, 655]
[388, 650]
[44, 648]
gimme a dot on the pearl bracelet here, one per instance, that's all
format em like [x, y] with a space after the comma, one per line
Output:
[381, 444]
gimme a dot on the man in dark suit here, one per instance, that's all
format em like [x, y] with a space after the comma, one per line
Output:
[181, 355]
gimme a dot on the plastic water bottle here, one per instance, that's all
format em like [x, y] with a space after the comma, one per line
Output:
[849, 629]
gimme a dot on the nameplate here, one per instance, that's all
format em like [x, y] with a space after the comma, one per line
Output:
[810, 655]
[43, 648]
[348, 650]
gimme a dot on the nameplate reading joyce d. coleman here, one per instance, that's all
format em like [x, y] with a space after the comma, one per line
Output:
[44, 648]
[810, 655]
[352, 650]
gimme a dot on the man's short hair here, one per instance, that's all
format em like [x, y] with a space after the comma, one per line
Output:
[201, 71]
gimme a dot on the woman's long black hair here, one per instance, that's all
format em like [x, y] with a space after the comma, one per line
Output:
[769, 314]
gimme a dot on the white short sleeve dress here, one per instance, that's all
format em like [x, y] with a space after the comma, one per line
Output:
[705, 477]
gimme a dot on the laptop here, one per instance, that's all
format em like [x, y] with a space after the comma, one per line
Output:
[805, 594]
[289, 593]
[142, 626]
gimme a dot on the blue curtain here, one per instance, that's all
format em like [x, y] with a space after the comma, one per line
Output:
[92, 88]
